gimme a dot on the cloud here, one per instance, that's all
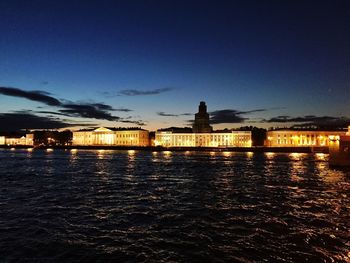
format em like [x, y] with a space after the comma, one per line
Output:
[312, 120]
[22, 121]
[70, 109]
[52, 113]
[34, 95]
[88, 111]
[235, 116]
[250, 111]
[134, 92]
[100, 106]
[139, 122]
[232, 116]
[307, 118]
[161, 113]
[122, 110]
[226, 116]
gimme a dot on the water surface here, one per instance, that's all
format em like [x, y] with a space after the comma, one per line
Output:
[139, 206]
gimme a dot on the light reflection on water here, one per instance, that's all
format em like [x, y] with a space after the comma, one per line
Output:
[166, 206]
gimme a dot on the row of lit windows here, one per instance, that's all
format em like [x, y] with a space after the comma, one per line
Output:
[90, 134]
[301, 142]
[302, 135]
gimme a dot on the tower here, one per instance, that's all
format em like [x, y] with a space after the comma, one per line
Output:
[201, 121]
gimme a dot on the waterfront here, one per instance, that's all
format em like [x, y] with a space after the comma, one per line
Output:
[141, 206]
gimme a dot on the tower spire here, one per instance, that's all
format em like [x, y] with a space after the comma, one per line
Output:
[201, 121]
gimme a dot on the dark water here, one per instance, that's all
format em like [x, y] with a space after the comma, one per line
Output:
[127, 206]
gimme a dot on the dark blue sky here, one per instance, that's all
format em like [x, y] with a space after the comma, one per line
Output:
[262, 63]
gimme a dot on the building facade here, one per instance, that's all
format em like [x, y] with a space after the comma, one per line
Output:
[29, 139]
[111, 136]
[26, 140]
[202, 135]
[290, 138]
[227, 139]
[339, 150]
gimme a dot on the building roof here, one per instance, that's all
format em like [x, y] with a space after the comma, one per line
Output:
[113, 129]
[176, 130]
[310, 129]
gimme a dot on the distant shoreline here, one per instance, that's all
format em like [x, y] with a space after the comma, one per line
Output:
[181, 149]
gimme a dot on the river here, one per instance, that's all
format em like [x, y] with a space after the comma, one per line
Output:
[142, 206]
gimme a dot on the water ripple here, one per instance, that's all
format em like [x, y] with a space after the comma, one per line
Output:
[134, 206]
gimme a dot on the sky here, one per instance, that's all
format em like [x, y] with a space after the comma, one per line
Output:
[73, 64]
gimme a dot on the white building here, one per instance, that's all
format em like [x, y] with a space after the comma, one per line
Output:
[24, 140]
[214, 139]
[15, 140]
[111, 136]
[202, 135]
[290, 138]
[29, 139]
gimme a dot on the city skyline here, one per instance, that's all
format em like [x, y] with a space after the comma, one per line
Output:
[149, 64]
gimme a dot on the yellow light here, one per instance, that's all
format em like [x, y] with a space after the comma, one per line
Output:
[30, 149]
[270, 154]
[73, 150]
[320, 156]
[12, 149]
[49, 150]
[227, 154]
[295, 155]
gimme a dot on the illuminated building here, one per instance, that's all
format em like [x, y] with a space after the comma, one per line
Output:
[291, 138]
[201, 120]
[111, 136]
[23, 140]
[214, 139]
[15, 140]
[29, 139]
[202, 135]
[339, 150]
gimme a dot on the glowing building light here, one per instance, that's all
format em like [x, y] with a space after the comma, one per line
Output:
[250, 154]
[270, 155]
[227, 154]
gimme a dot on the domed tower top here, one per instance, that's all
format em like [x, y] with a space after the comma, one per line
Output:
[202, 108]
